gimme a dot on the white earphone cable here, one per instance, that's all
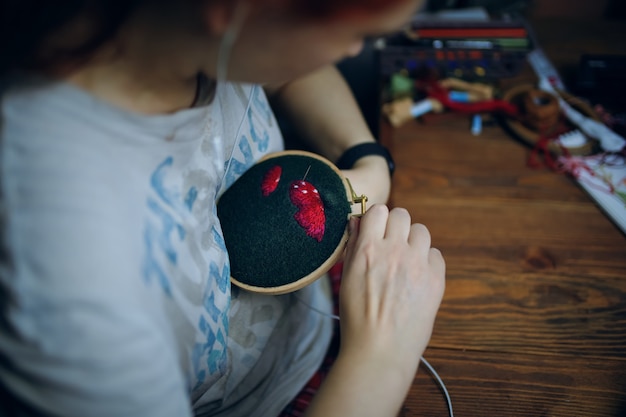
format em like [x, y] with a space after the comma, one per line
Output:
[223, 58]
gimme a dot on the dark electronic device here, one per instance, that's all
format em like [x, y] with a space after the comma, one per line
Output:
[602, 80]
[464, 49]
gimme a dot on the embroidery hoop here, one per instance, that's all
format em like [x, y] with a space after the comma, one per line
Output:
[250, 283]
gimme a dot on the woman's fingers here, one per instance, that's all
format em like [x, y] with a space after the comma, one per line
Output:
[382, 230]
[398, 225]
[374, 222]
[419, 237]
[436, 261]
[379, 223]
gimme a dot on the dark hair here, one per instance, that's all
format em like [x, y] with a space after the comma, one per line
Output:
[26, 24]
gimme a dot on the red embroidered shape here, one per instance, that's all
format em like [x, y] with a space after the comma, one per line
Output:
[271, 180]
[310, 213]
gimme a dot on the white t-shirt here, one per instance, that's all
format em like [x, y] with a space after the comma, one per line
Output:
[114, 278]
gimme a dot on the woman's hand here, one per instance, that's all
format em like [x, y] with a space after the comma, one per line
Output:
[393, 283]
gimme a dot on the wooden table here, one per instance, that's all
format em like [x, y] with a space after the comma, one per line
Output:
[533, 322]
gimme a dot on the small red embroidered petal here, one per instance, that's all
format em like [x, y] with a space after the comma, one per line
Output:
[271, 180]
[310, 213]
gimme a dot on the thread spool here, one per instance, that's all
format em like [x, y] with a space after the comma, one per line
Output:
[541, 109]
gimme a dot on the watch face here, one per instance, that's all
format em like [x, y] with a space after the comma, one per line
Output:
[283, 220]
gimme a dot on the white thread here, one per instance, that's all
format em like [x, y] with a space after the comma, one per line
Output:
[317, 310]
[424, 361]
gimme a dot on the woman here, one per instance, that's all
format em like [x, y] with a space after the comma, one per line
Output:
[122, 123]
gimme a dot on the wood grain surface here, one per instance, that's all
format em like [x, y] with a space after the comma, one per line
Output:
[533, 321]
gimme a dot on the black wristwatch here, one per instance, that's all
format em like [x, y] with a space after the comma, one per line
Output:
[353, 154]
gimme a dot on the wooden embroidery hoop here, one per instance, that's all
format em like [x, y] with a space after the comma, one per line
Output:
[317, 273]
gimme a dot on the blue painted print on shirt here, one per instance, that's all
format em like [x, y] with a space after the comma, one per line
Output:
[261, 105]
[159, 232]
[211, 354]
[164, 234]
[192, 194]
[151, 267]
[261, 140]
[237, 168]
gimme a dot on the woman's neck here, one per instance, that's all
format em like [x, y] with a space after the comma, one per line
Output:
[147, 69]
[141, 90]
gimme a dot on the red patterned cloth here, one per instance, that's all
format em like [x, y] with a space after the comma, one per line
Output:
[298, 406]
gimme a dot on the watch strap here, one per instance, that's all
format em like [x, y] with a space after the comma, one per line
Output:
[361, 150]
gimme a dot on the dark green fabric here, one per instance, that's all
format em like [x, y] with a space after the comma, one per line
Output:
[266, 246]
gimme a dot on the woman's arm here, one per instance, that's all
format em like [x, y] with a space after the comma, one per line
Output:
[327, 116]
